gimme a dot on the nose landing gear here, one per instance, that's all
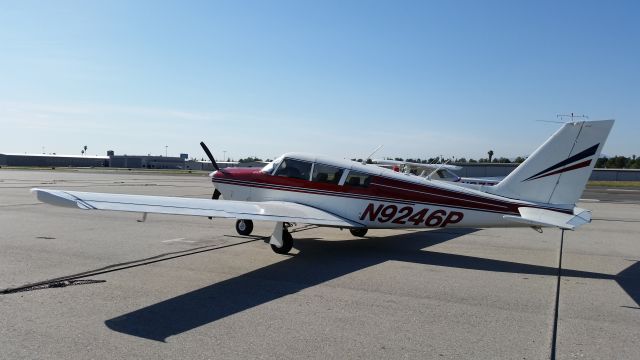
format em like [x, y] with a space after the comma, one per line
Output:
[244, 227]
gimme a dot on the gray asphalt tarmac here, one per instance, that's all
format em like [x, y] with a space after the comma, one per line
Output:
[185, 287]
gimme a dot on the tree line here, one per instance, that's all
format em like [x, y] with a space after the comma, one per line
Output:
[618, 162]
[615, 162]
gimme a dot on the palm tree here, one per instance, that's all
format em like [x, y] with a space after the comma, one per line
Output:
[85, 149]
[490, 153]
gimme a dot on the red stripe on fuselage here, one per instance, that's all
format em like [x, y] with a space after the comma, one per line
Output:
[380, 189]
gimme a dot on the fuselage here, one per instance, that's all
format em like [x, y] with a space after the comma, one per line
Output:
[367, 194]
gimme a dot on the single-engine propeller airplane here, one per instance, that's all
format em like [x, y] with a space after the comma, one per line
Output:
[316, 190]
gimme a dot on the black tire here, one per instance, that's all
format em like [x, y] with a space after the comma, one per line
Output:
[287, 244]
[244, 227]
[359, 232]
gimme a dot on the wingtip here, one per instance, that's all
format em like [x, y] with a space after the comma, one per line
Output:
[55, 197]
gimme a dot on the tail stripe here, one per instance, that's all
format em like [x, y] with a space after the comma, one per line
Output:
[572, 167]
[577, 157]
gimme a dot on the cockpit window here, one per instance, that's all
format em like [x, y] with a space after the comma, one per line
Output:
[358, 179]
[294, 169]
[326, 174]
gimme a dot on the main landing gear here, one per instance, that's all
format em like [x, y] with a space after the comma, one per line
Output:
[359, 232]
[287, 243]
[281, 240]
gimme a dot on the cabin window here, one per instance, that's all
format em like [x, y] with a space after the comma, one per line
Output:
[295, 169]
[358, 179]
[326, 174]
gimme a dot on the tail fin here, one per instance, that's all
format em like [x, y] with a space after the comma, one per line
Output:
[557, 172]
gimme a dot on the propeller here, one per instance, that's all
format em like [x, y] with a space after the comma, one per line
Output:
[216, 193]
[206, 150]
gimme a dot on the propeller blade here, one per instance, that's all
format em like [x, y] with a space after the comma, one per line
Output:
[206, 150]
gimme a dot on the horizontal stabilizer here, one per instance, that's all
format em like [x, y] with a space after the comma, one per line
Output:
[278, 211]
[549, 218]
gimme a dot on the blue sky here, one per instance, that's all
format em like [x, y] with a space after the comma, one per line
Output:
[424, 78]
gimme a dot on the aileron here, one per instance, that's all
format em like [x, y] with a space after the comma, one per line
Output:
[280, 211]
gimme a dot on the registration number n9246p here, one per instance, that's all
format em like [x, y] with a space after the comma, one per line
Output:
[408, 215]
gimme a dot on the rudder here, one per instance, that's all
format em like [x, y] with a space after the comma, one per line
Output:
[557, 172]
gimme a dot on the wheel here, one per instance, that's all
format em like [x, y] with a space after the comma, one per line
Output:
[287, 243]
[244, 227]
[359, 232]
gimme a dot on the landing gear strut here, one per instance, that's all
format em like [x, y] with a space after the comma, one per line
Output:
[281, 240]
[244, 227]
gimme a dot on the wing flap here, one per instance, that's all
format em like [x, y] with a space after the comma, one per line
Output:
[280, 211]
[542, 217]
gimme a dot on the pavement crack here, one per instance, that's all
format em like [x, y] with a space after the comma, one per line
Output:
[60, 281]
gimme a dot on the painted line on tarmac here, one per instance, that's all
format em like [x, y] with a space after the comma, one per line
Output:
[184, 240]
[589, 200]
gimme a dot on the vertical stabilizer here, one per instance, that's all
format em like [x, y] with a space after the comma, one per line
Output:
[557, 172]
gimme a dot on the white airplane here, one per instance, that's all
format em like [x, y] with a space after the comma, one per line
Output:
[442, 172]
[310, 189]
[432, 171]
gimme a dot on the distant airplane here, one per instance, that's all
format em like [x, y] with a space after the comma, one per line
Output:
[311, 189]
[442, 172]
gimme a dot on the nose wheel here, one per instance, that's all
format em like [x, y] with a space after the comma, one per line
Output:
[244, 227]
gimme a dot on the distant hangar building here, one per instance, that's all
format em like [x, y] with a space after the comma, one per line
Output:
[115, 161]
[49, 160]
[111, 160]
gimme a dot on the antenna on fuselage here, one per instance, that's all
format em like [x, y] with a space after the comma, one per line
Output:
[572, 116]
[563, 116]
[364, 162]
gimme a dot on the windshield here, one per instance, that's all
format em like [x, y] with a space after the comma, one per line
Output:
[270, 166]
[296, 169]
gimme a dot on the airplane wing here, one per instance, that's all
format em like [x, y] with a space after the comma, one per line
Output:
[417, 165]
[278, 211]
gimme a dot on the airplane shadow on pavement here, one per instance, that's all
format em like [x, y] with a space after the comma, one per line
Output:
[316, 263]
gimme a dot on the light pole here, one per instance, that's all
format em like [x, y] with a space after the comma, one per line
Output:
[224, 155]
[165, 150]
